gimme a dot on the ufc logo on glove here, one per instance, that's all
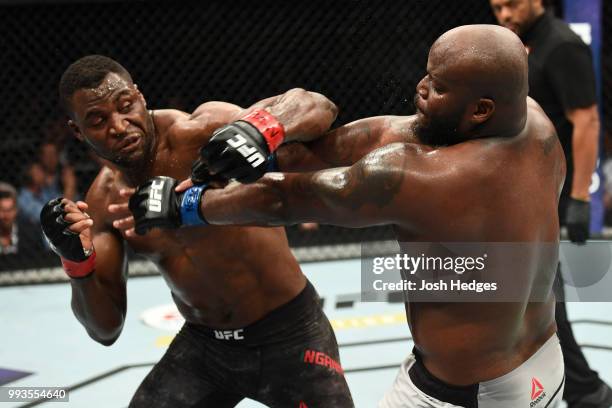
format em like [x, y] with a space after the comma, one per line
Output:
[156, 196]
[250, 153]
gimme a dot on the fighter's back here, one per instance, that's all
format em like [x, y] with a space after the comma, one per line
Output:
[491, 190]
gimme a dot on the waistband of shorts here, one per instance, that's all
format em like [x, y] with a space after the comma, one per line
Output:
[544, 348]
[272, 326]
[466, 396]
[462, 396]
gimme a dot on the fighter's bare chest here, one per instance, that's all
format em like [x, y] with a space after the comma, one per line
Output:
[175, 164]
[164, 243]
[168, 244]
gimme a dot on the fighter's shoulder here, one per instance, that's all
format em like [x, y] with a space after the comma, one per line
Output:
[103, 183]
[216, 112]
[537, 118]
[394, 156]
[392, 128]
[206, 118]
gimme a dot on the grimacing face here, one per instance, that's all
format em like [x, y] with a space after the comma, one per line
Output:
[440, 102]
[113, 120]
[516, 15]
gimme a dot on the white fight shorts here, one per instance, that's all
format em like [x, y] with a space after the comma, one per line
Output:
[537, 383]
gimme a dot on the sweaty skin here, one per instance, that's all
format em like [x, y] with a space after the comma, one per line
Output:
[480, 162]
[219, 277]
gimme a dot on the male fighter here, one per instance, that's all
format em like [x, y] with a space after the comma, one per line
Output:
[254, 326]
[562, 81]
[480, 162]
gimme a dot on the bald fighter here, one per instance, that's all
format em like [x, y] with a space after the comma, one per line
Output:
[254, 324]
[480, 162]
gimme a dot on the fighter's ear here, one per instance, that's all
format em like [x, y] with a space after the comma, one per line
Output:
[485, 108]
[75, 129]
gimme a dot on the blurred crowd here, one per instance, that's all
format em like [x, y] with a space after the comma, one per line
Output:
[48, 174]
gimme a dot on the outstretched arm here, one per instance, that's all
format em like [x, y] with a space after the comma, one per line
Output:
[367, 193]
[243, 141]
[401, 184]
[304, 115]
[376, 190]
[345, 145]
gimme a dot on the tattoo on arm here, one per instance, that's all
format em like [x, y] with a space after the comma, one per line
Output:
[339, 148]
[366, 193]
[355, 141]
[374, 181]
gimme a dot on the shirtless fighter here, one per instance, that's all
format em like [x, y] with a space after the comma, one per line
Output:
[254, 324]
[480, 162]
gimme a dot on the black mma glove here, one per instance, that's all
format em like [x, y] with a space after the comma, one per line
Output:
[577, 220]
[155, 204]
[77, 262]
[242, 150]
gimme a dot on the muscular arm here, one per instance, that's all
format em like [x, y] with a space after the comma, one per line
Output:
[305, 115]
[345, 145]
[584, 148]
[373, 191]
[99, 300]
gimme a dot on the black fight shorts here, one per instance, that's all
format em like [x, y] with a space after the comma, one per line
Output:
[288, 359]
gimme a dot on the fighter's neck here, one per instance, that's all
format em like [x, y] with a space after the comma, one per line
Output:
[504, 124]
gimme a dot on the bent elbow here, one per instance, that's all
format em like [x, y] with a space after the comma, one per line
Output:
[333, 108]
[316, 102]
[327, 106]
[106, 339]
[107, 342]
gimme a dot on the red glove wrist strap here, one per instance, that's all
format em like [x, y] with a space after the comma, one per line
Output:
[79, 269]
[271, 129]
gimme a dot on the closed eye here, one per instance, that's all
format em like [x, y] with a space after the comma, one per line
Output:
[126, 107]
[96, 121]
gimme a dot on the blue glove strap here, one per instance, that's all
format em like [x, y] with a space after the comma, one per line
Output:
[272, 163]
[190, 206]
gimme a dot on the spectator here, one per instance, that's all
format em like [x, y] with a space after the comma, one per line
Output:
[31, 198]
[21, 244]
[59, 179]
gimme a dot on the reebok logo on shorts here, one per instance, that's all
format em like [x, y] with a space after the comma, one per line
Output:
[537, 392]
[322, 359]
